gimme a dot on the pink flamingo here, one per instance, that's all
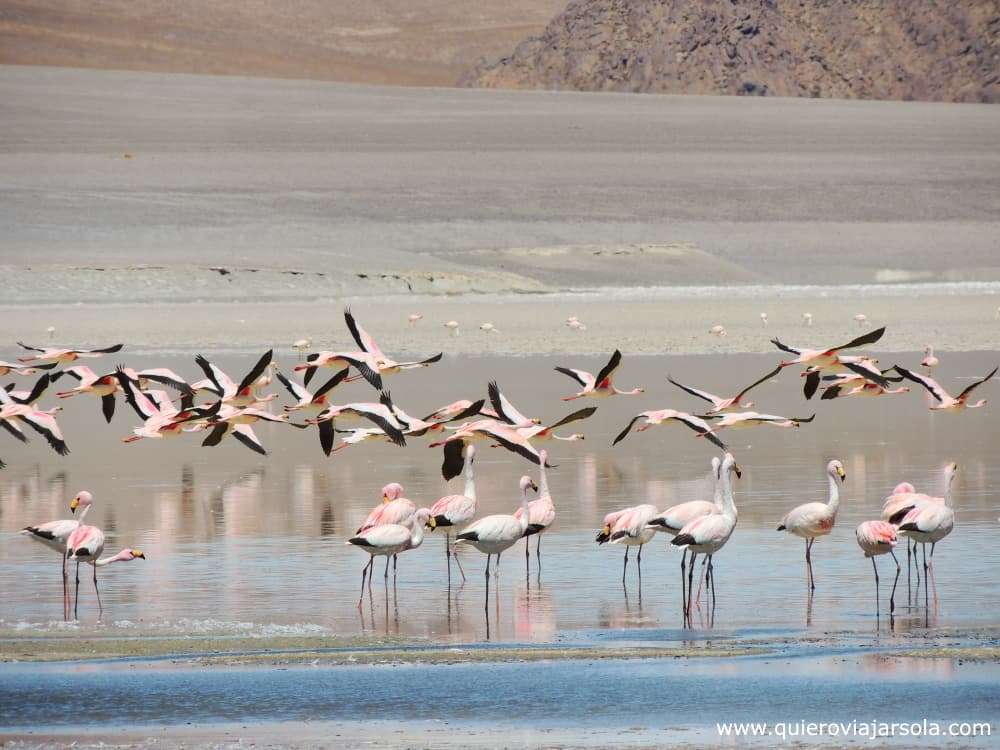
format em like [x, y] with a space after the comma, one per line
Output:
[454, 510]
[62, 356]
[878, 538]
[547, 432]
[55, 535]
[311, 402]
[376, 359]
[630, 527]
[825, 357]
[86, 544]
[929, 523]
[19, 369]
[813, 520]
[720, 404]
[484, 429]
[541, 514]
[653, 418]
[232, 393]
[505, 410]
[946, 402]
[394, 509]
[601, 385]
[390, 539]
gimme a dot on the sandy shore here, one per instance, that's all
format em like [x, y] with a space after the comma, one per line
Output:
[529, 324]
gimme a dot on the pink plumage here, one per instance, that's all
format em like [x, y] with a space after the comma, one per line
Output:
[876, 537]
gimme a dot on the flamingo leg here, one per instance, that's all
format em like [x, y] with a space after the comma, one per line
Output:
[486, 605]
[625, 566]
[809, 565]
[908, 598]
[538, 553]
[930, 570]
[926, 592]
[687, 606]
[711, 579]
[892, 596]
[447, 554]
[702, 575]
[364, 570]
[386, 574]
[916, 569]
[527, 556]
[65, 590]
[100, 607]
[683, 579]
[76, 596]
[638, 562]
[458, 562]
[496, 567]
[875, 568]
[394, 557]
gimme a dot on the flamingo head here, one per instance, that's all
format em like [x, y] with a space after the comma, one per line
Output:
[423, 517]
[903, 488]
[729, 464]
[131, 554]
[835, 468]
[526, 483]
[83, 499]
[391, 492]
[949, 472]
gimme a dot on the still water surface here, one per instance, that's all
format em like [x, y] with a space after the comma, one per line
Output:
[240, 543]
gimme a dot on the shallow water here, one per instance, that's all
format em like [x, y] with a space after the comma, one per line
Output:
[255, 545]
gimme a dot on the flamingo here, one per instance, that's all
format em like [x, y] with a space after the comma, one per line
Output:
[653, 418]
[381, 414]
[807, 317]
[230, 421]
[878, 538]
[505, 410]
[860, 319]
[547, 432]
[413, 318]
[763, 319]
[929, 361]
[390, 539]
[452, 326]
[631, 528]
[6, 368]
[360, 361]
[483, 429]
[13, 414]
[102, 386]
[455, 410]
[862, 367]
[243, 393]
[812, 520]
[600, 386]
[946, 402]
[56, 534]
[541, 514]
[27, 398]
[379, 362]
[862, 388]
[720, 404]
[311, 402]
[746, 419]
[708, 534]
[62, 356]
[495, 534]
[394, 508]
[86, 544]
[300, 345]
[161, 419]
[488, 328]
[905, 497]
[718, 330]
[929, 523]
[454, 510]
[825, 357]
[574, 324]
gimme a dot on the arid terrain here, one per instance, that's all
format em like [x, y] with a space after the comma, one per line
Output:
[865, 49]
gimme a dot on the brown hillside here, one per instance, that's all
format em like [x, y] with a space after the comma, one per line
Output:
[853, 49]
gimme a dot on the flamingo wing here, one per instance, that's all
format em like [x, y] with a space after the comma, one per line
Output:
[222, 383]
[36, 391]
[868, 338]
[785, 347]
[932, 386]
[975, 385]
[256, 371]
[420, 363]
[46, 426]
[872, 374]
[105, 350]
[31, 348]
[580, 376]
[299, 392]
[753, 385]
[704, 395]
[609, 369]
[503, 407]
[361, 337]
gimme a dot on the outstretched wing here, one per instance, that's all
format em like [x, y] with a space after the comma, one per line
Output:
[331, 383]
[503, 407]
[135, 398]
[166, 377]
[869, 338]
[753, 385]
[811, 384]
[609, 369]
[785, 347]
[105, 350]
[574, 417]
[294, 388]
[362, 338]
[256, 371]
[36, 392]
[421, 363]
[628, 428]
[978, 383]
[701, 427]
[873, 375]
[29, 347]
[245, 435]
[583, 378]
[932, 386]
[705, 395]
[214, 374]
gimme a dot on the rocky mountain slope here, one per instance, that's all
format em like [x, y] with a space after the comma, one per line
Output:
[852, 49]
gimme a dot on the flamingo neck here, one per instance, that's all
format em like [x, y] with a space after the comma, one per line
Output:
[543, 481]
[633, 392]
[947, 489]
[83, 513]
[101, 562]
[728, 502]
[834, 502]
[525, 512]
[470, 482]
[416, 533]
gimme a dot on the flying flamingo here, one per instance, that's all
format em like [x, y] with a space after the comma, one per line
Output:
[311, 402]
[845, 364]
[13, 414]
[62, 356]
[235, 422]
[547, 432]
[232, 393]
[483, 429]
[630, 527]
[56, 534]
[720, 404]
[600, 386]
[390, 539]
[878, 538]
[495, 534]
[825, 357]
[381, 414]
[86, 544]
[746, 419]
[541, 513]
[653, 418]
[454, 510]
[946, 402]
[379, 362]
[813, 520]
[708, 534]
[505, 410]
[20, 369]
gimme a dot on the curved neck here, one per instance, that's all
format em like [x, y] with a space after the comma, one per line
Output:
[83, 514]
[470, 482]
[947, 490]
[416, 534]
[834, 502]
[543, 481]
[717, 496]
[101, 562]
[525, 512]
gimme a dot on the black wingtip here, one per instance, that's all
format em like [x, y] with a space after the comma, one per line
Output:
[681, 539]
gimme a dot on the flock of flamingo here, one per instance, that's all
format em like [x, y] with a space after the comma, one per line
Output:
[700, 527]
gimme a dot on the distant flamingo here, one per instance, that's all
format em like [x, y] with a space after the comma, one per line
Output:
[413, 318]
[721, 404]
[601, 385]
[813, 520]
[860, 319]
[541, 514]
[878, 538]
[62, 356]
[825, 357]
[763, 319]
[807, 318]
[661, 416]
[452, 326]
[929, 361]
[717, 330]
[455, 510]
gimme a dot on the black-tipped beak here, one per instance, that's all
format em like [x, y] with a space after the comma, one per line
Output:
[141, 555]
[534, 487]
[739, 472]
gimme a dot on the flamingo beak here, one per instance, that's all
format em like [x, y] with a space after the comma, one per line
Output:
[138, 553]
[431, 523]
[738, 470]
[74, 504]
[385, 498]
[841, 474]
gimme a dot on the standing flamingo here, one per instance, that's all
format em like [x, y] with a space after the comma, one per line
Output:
[878, 538]
[541, 514]
[86, 544]
[389, 540]
[813, 520]
[56, 534]
[453, 510]
[708, 534]
[631, 528]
